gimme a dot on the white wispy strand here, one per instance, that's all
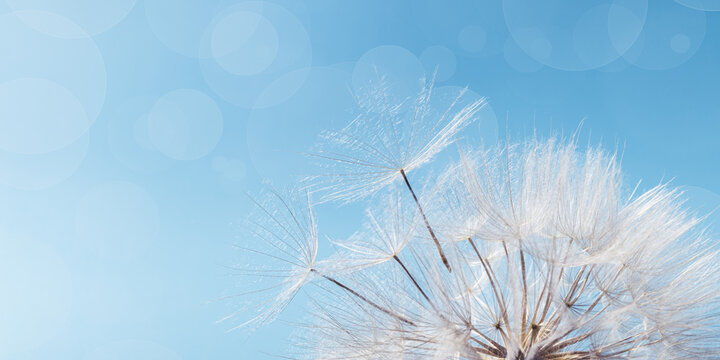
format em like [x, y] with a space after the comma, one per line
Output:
[388, 136]
[531, 251]
[284, 249]
[388, 228]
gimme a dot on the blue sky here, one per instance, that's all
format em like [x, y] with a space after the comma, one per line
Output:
[130, 132]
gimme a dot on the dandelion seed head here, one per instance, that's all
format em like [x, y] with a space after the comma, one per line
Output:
[565, 263]
[529, 251]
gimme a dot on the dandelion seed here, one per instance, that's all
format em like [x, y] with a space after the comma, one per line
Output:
[286, 239]
[388, 229]
[285, 245]
[387, 138]
[387, 141]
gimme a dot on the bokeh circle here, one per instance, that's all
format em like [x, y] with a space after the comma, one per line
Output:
[474, 27]
[279, 137]
[129, 139]
[519, 59]
[239, 60]
[180, 25]
[441, 59]
[672, 35]
[38, 116]
[575, 36]
[704, 5]
[389, 66]
[185, 124]
[93, 16]
[53, 88]
[244, 43]
[41, 171]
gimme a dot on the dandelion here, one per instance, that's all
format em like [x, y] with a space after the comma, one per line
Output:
[552, 257]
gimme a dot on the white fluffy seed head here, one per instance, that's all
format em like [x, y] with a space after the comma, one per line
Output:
[559, 261]
[531, 251]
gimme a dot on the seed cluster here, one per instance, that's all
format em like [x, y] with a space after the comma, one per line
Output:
[531, 251]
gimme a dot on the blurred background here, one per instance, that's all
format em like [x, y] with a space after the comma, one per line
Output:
[132, 130]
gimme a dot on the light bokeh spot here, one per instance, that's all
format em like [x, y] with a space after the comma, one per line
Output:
[279, 137]
[389, 66]
[244, 43]
[441, 59]
[180, 25]
[38, 116]
[231, 169]
[185, 124]
[129, 139]
[680, 43]
[580, 36]
[42, 170]
[93, 16]
[65, 68]
[239, 60]
[704, 5]
[518, 59]
[672, 35]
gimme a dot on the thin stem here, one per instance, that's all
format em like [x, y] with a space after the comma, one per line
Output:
[524, 315]
[495, 287]
[427, 224]
[412, 278]
[487, 350]
[603, 292]
[363, 298]
[501, 349]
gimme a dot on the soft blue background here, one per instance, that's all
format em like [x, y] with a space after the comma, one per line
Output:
[130, 132]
